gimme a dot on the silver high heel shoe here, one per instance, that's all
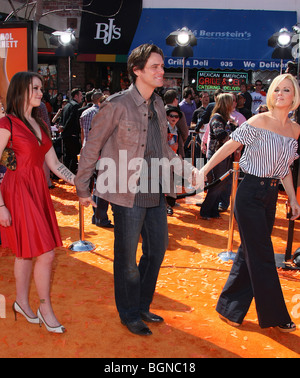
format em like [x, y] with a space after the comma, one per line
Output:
[59, 329]
[17, 309]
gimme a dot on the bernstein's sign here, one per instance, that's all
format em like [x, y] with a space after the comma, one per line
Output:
[16, 52]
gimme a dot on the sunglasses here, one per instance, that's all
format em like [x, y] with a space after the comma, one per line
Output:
[173, 115]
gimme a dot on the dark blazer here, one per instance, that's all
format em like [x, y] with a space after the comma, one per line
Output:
[70, 120]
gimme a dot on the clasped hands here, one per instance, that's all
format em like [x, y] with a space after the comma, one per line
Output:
[198, 179]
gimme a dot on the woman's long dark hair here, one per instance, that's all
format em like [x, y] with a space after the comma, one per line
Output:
[17, 96]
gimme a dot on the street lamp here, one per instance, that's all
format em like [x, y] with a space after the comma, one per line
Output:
[183, 39]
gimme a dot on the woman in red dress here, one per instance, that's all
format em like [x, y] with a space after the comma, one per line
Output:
[28, 223]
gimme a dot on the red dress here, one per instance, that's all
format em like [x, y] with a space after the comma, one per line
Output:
[34, 229]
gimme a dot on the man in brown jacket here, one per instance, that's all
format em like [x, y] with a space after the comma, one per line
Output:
[130, 133]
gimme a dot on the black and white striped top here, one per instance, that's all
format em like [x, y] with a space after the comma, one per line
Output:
[266, 153]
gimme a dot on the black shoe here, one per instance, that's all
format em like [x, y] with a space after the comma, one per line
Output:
[151, 318]
[138, 328]
[289, 327]
[108, 225]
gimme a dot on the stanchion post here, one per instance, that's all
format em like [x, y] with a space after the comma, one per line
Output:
[192, 144]
[229, 255]
[81, 222]
[81, 245]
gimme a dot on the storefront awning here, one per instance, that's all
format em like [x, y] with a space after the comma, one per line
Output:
[226, 39]
[107, 30]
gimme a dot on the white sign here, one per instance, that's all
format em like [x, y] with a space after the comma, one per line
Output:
[107, 32]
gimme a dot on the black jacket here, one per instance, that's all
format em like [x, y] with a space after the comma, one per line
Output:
[70, 120]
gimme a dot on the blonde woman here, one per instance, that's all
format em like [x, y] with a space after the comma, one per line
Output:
[270, 141]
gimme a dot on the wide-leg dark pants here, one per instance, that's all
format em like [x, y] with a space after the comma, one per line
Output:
[254, 273]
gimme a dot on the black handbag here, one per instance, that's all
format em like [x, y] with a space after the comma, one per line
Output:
[8, 158]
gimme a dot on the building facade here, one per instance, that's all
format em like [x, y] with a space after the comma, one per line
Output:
[231, 38]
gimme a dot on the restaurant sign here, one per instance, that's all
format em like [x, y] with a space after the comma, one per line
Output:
[107, 28]
[213, 80]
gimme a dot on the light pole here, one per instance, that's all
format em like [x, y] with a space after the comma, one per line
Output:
[183, 39]
[66, 39]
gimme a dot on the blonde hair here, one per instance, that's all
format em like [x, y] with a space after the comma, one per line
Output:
[274, 85]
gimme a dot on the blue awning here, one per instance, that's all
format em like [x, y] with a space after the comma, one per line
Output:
[226, 39]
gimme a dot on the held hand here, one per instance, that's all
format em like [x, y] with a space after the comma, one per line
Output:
[87, 201]
[5, 217]
[198, 179]
[295, 209]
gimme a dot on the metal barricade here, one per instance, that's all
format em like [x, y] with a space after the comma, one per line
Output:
[81, 245]
[229, 254]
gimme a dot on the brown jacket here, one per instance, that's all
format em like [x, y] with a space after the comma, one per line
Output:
[119, 134]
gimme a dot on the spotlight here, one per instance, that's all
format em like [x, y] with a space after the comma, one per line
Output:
[183, 40]
[284, 38]
[181, 37]
[65, 38]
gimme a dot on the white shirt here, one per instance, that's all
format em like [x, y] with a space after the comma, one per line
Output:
[257, 100]
[266, 153]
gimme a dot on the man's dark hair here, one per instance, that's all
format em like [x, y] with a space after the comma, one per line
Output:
[88, 96]
[187, 92]
[170, 96]
[139, 57]
[75, 92]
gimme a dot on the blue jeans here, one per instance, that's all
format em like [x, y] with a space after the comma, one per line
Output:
[135, 284]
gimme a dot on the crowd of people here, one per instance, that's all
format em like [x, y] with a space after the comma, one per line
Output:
[256, 129]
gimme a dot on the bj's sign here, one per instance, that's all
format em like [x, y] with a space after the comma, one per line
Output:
[213, 80]
[108, 27]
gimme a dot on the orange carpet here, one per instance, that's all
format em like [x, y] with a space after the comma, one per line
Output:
[190, 280]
